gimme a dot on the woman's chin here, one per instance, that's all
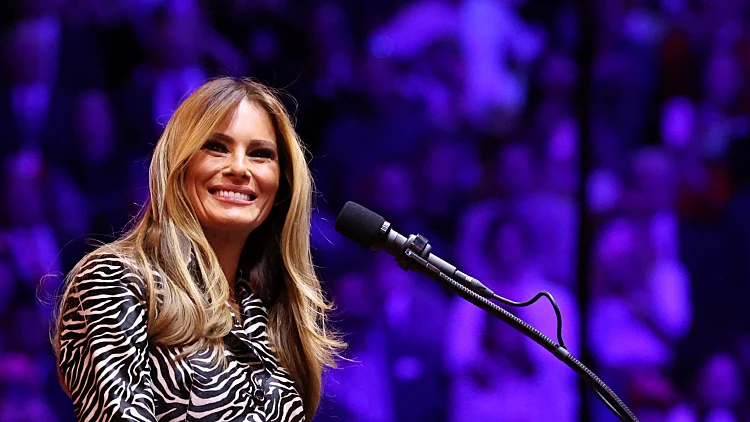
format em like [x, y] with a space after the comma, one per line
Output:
[229, 228]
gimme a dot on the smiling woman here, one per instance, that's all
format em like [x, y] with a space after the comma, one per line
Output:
[209, 307]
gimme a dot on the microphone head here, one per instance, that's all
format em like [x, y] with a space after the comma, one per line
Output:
[359, 224]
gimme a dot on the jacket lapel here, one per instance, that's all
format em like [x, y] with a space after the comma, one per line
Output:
[252, 326]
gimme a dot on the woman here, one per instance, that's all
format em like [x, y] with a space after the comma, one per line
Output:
[209, 307]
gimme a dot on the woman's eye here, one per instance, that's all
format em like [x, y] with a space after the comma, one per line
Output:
[214, 146]
[266, 153]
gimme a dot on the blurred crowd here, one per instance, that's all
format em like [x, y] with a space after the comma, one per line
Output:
[456, 119]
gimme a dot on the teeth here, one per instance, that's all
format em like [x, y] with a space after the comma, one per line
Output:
[233, 195]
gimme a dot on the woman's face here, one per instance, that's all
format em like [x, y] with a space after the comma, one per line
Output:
[232, 180]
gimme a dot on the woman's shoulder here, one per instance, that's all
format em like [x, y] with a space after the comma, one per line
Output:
[107, 273]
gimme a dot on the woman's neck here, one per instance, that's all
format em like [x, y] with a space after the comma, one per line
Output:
[228, 249]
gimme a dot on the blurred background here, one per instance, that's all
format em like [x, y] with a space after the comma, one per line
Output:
[598, 151]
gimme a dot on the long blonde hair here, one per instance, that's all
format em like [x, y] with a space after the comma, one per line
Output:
[193, 291]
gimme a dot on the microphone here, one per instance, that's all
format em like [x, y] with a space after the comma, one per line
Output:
[372, 231]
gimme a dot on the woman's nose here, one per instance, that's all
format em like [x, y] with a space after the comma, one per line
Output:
[238, 165]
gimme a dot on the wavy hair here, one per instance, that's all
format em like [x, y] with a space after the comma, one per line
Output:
[192, 290]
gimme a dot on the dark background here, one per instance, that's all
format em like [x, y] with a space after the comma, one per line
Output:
[517, 135]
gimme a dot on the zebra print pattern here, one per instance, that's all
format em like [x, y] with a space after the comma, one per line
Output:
[114, 373]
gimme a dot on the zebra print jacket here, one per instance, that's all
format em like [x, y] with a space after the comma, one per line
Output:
[112, 371]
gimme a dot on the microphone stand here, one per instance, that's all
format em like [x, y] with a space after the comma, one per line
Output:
[414, 257]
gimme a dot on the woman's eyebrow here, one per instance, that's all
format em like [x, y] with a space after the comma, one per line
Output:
[253, 142]
[221, 137]
[263, 143]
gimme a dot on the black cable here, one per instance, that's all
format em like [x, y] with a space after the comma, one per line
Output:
[531, 302]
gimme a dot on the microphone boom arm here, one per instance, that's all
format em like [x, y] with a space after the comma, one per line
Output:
[415, 256]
